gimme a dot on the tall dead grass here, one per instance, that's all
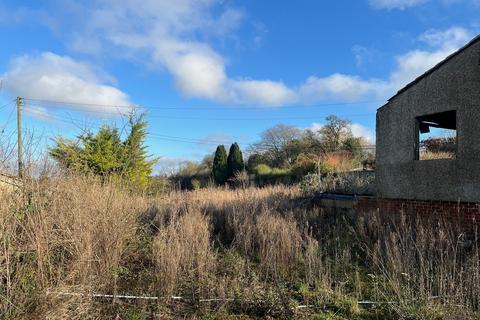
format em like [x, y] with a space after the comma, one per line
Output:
[257, 252]
[61, 234]
[433, 261]
[184, 252]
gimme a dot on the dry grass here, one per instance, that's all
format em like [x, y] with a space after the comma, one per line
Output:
[279, 244]
[267, 249]
[429, 155]
[62, 234]
[183, 252]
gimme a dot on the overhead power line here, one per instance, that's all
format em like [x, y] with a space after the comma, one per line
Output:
[8, 103]
[157, 116]
[72, 103]
[30, 108]
[250, 119]
[188, 140]
[191, 139]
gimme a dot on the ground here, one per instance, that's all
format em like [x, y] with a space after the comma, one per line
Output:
[224, 254]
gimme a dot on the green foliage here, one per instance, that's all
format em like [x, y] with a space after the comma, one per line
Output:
[359, 182]
[264, 175]
[354, 146]
[280, 171]
[105, 154]
[289, 147]
[310, 184]
[254, 160]
[234, 161]
[304, 164]
[219, 169]
[262, 169]
[134, 314]
[136, 168]
[193, 175]
[195, 184]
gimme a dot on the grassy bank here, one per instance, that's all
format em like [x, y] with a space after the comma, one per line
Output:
[219, 253]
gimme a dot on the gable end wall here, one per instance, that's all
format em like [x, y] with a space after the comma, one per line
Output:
[455, 85]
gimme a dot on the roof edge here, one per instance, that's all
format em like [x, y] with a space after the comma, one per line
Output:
[432, 69]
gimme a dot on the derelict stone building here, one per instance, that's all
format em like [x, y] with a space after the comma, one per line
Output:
[447, 96]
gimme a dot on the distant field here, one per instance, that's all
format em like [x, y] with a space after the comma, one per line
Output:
[223, 254]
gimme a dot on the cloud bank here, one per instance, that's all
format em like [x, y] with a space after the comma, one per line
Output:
[176, 37]
[172, 36]
[48, 76]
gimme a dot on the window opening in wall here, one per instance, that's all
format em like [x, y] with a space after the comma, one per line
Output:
[437, 136]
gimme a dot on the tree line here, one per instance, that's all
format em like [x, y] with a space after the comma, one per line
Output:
[284, 154]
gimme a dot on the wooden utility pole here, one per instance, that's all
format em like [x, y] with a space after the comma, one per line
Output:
[19, 137]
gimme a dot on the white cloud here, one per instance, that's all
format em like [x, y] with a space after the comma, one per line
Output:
[404, 4]
[48, 76]
[167, 31]
[395, 4]
[315, 127]
[197, 73]
[451, 38]
[265, 92]
[359, 130]
[416, 62]
[340, 87]
[175, 37]
[410, 65]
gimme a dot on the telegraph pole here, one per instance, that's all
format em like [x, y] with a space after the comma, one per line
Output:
[19, 137]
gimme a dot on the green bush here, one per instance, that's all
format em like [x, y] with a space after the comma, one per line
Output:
[262, 169]
[306, 164]
[196, 184]
[264, 175]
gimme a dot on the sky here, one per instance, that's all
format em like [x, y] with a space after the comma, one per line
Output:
[210, 72]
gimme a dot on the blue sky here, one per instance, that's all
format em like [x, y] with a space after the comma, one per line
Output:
[210, 71]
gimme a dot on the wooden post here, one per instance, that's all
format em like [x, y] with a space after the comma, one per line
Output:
[19, 137]
[319, 176]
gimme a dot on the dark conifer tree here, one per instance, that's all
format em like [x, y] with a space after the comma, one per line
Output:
[219, 168]
[234, 161]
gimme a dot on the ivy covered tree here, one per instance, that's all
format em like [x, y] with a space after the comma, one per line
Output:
[219, 169]
[105, 154]
[234, 161]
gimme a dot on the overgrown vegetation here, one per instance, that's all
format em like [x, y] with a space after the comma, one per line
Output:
[435, 148]
[219, 253]
[284, 155]
[105, 154]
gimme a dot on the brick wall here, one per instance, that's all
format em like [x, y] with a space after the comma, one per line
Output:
[466, 213]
